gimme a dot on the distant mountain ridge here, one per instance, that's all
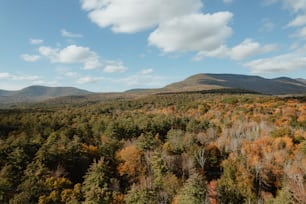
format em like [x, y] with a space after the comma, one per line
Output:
[199, 82]
[277, 86]
[39, 93]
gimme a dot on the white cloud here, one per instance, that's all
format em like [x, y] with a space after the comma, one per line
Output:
[143, 80]
[298, 21]
[130, 16]
[30, 58]
[280, 64]
[93, 4]
[6, 75]
[296, 5]
[196, 32]
[45, 83]
[249, 48]
[25, 78]
[36, 41]
[89, 79]
[72, 54]
[51, 53]
[293, 5]
[147, 71]
[220, 52]
[114, 67]
[9, 81]
[245, 49]
[72, 74]
[300, 33]
[267, 25]
[228, 1]
[65, 33]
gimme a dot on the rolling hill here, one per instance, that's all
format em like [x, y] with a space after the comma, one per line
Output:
[199, 82]
[277, 86]
[38, 93]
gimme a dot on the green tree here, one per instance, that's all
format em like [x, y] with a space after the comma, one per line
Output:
[138, 195]
[194, 191]
[32, 185]
[96, 183]
[231, 186]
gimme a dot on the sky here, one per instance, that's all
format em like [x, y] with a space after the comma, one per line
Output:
[117, 45]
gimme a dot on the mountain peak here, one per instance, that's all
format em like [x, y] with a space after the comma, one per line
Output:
[278, 86]
[39, 93]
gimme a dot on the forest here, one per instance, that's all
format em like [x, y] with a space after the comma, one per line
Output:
[176, 148]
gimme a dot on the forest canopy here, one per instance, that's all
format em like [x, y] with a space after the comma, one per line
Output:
[172, 148]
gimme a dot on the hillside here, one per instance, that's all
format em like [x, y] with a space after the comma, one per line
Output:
[39, 93]
[301, 80]
[200, 82]
[277, 86]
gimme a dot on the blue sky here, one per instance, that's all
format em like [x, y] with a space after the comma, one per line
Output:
[116, 45]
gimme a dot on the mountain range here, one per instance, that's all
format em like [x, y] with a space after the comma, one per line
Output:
[39, 93]
[277, 86]
[199, 82]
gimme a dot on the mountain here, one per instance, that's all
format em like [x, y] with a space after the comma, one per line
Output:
[301, 80]
[4, 92]
[38, 93]
[277, 86]
[208, 83]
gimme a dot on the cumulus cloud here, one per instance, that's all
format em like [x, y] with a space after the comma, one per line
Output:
[247, 48]
[298, 21]
[282, 63]
[36, 41]
[130, 16]
[196, 32]
[67, 34]
[72, 54]
[30, 58]
[114, 66]
[180, 26]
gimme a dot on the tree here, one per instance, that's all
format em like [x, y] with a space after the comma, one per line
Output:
[96, 185]
[235, 184]
[131, 163]
[140, 195]
[194, 191]
[33, 184]
[55, 186]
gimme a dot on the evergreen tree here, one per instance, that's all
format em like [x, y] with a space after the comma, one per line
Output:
[96, 183]
[194, 191]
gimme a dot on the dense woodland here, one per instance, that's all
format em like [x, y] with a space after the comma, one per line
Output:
[176, 148]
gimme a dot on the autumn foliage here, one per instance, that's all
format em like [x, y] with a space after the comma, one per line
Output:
[171, 148]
